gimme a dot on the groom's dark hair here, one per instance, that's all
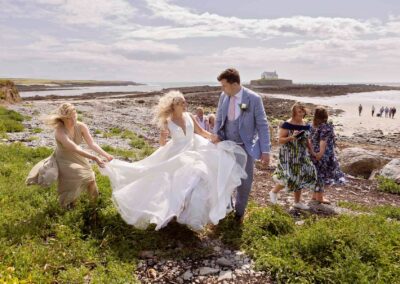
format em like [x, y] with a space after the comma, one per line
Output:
[231, 75]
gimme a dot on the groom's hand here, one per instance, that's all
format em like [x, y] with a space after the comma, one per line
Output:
[215, 139]
[265, 159]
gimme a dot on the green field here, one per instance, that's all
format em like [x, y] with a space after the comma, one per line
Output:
[42, 243]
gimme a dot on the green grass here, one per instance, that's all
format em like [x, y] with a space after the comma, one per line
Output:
[386, 211]
[388, 185]
[140, 148]
[10, 121]
[43, 243]
[40, 242]
[37, 130]
[344, 249]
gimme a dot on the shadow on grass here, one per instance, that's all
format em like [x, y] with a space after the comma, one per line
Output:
[174, 241]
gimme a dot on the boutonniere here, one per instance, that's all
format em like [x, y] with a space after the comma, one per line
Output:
[243, 107]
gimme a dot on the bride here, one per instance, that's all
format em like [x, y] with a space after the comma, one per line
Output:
[188, 177]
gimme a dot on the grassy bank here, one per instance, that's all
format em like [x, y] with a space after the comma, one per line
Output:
[10, 121]
[40, 242]
[345, 249]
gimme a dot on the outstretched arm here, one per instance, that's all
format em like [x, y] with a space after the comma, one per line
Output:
[199, 130]
[93, 145]
[70, 145]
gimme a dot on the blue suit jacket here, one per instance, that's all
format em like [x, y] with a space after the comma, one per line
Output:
[253, 123]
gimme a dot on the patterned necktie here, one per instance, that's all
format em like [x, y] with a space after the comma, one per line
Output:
[232, 108]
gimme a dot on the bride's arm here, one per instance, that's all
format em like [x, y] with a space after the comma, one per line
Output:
[164, 135]
[199, 130]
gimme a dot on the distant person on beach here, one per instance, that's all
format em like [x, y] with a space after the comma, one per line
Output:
[322, 139]
[381, 111]
[373, 110]
[393, 111]
[75, 173]
[201, 119]
[386, 111]
[295, 170]
[360, 110]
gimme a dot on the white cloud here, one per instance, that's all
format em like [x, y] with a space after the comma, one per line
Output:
[92, 13]
[216, 25]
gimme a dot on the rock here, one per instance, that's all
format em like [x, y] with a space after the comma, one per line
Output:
[9, 92]
[225, 275]
[151, 273]
[222, 261]
[146, 254]
[360, 162]
[392, 170]
[217, 249]
[187, 275]
[207, 271]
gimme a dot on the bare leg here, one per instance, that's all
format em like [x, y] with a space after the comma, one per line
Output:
[297, 195]
[277, 188]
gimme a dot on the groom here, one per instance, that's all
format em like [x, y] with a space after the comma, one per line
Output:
[241, 118]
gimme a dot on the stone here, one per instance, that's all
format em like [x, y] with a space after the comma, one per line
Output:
[146, 254]
[208, 270]
[392, 170]
[187, 275]
[217, 249]
[361, 162]
[222, 261]
[225, 275]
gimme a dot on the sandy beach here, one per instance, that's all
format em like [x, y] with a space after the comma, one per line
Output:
[348, 121]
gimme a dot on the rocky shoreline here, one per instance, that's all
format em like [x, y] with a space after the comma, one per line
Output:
[309, 90]
[67, 85]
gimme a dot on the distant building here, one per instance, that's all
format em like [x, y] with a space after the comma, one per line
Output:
[270, 79]
[269, 75]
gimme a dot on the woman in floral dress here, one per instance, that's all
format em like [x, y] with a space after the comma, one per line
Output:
[295, 170]
[322, 138]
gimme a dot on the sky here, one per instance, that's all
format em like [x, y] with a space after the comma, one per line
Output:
[193, 41]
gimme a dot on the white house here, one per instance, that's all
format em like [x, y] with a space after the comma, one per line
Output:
[269, 75]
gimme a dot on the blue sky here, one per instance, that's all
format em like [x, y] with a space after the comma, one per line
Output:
[166, 40]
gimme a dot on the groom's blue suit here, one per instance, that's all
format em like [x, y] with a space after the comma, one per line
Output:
[250, 130]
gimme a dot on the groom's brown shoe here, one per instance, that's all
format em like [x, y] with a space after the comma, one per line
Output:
[238, 219]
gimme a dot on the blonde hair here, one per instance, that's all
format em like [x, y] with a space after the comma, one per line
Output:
[66, 110]
[165, 107]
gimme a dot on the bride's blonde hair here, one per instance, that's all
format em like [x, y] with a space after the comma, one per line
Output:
[165, 107]
[66, 110]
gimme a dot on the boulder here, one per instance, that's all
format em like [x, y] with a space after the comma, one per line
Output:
[8, 92]
[361, 162]
[392, 170]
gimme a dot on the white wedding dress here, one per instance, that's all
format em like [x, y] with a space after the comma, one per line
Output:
[189, 178]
